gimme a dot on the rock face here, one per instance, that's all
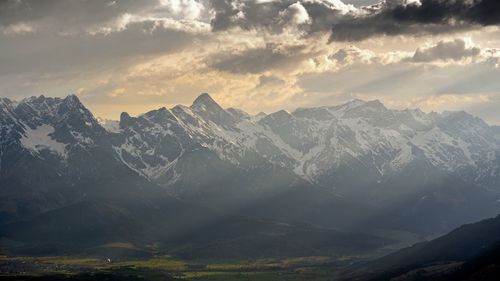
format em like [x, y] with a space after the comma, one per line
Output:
[54, 152]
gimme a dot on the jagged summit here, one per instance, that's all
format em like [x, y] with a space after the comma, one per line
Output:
[67, 111]
[349, 104]
[34, 98]
[72, 100]
[355, 102]
[375, 103]
[205, 106]
[205, 100]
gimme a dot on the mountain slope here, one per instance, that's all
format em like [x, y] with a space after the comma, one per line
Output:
[462, 253]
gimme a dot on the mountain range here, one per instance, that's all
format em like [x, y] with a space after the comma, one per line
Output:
[358, 167]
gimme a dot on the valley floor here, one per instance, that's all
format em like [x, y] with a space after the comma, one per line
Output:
[167, 268]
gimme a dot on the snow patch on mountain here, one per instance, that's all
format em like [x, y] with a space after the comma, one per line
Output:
[40, 138]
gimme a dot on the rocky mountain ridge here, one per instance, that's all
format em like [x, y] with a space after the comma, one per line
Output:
[54, 152]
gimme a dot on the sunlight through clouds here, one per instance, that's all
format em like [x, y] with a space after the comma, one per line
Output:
[168, 51]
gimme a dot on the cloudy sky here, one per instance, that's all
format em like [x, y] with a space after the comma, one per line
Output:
[260, 55]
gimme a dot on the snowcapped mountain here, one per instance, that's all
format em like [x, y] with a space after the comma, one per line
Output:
[328, 146]
[54, 152]
[320, 145]
[51, 124]
[53, 149]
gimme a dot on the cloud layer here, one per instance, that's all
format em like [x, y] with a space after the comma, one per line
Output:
[259, 55]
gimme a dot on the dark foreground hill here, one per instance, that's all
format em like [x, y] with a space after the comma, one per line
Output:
[470, 252]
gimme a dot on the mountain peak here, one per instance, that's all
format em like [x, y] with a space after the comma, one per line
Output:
[125, 120]
[160, 115]
[357, 101]
[34, 99]
[377, 104]
[71, 98]
[204, 100]
[357, 104]
[348, 105]
[209, 109]
[72, 102]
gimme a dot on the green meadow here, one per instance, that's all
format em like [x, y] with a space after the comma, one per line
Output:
[169, 268]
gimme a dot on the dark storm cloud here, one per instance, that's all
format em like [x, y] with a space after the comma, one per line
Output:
[389, 17]
[395, 17]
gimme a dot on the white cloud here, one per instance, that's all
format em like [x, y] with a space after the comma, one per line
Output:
[117, 92]
[295, 14]
[186, 9]
[17, 28]
[337, 5]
